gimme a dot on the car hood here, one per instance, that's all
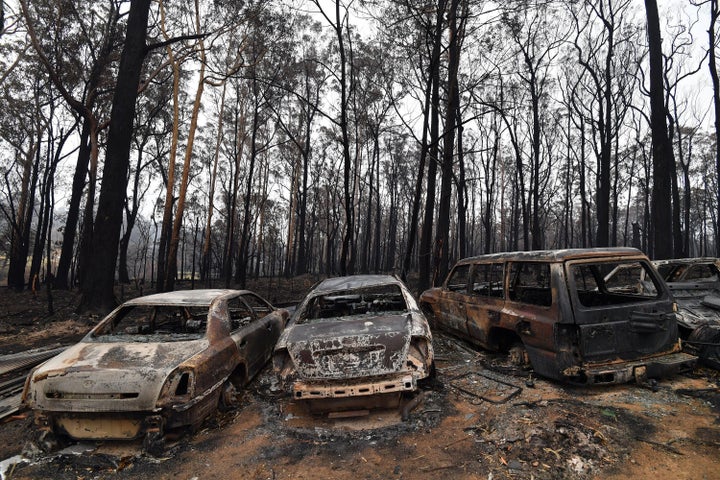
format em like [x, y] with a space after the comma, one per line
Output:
[349, 347]
[101, 377]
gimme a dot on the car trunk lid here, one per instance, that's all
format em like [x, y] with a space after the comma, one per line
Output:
[95, 376]
[350, 347]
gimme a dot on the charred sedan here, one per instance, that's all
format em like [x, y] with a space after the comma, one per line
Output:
[155, 363]
[355, 342]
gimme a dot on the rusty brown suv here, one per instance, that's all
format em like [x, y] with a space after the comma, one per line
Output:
[155, 363]
[557, 310]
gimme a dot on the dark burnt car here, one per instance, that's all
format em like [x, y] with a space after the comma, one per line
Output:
[355, 342]
[557, 311]
[155, 363]
[695, 285]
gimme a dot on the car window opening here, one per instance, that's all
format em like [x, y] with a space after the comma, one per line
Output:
[530, 283]
[146, 322]
[356, 302]
[613, 283]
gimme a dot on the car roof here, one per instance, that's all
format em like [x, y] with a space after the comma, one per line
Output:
[555, 255]
[684, 261]
[354, 281]
[203, 297]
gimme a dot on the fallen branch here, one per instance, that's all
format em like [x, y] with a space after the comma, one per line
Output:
[661, 445]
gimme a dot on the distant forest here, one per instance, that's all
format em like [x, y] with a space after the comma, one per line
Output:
[154, 141]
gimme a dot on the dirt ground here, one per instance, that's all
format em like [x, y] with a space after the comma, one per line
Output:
[480, 420]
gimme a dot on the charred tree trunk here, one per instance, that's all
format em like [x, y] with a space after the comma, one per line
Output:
[98, 294]
[442, 244]
[20, 239]
[712, 64]
[71, 223]
[663, 156]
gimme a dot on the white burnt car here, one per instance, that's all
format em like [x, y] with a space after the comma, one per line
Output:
[155, 363]
[355, 342]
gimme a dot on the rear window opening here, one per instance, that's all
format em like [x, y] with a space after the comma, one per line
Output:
[144, 323]
[613, 283]
[357, 302]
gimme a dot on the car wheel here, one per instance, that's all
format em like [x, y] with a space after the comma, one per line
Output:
[429, 315]
[228, 397]
[708, 344]
[48, 441]
[154, 444]
[430, 382]
[518, 356]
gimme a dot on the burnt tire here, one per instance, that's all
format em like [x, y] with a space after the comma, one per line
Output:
[706, 342]
[431, 382]
[518, 356]
[429, 316]
[228, 397]
[48, 441]
[154, 444]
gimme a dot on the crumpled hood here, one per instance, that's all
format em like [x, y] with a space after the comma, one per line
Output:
[103, 377]
[349, 347]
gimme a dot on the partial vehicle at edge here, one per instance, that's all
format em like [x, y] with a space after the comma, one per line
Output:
[695, 285]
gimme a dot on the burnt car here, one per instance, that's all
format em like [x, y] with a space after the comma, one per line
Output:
[559, 312]
[695, 285]
[155, 363]
[355, 342]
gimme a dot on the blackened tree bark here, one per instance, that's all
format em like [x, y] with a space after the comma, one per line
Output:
[20, 238]
[663, 156]
[347, 256]
[430, 97]
[73, 215]
[425, 248]
[97, 287]
[442, 243]
[712, 64]
[88, 151]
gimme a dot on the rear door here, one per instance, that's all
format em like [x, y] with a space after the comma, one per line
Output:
[531, 310]
[269, 325]
[622, 309]
[249, 333]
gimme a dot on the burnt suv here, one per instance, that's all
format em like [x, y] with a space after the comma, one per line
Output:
[562, 313]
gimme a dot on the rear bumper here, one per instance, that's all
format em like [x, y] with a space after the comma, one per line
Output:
[106, 426]
[637, 370]
[309, 390]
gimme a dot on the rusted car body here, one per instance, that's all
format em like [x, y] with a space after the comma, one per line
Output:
[155, 363]
[695, 285]
[555, 310]
[355, 342]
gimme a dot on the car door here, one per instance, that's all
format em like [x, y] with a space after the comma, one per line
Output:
[270, 322]
[451, 306]
[256, 328]
[485, 300]
[620, 316]
[530, 309]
